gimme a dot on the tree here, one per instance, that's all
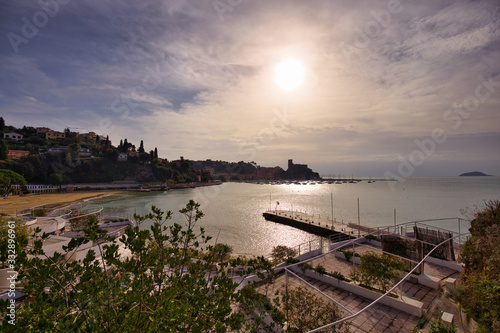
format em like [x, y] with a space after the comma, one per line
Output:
[58, 179]
[2, 124]
[4, 150]
[281, 253]
[156, 152]
[169, 282]
[9, 178]
[378, 270]
[141, 147]
[222, 252]
[479, 291]
[305, 311]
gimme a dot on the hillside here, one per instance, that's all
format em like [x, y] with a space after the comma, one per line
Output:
[38, 153]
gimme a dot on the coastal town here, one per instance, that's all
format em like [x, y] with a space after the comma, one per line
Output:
[250, 166]
[50, 161]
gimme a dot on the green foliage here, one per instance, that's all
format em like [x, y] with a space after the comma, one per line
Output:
[281, 253]
[57, 179]
[19, 234]
[168, 282]
[259, 307]
[292, 260]
[221, 252]
[9, 178]
[439, 327]
[4, 150]
[378, 270]
[39, 212]
[349, 254]
[339, 276]
[320, 269]
[373, 237]
[398, 246]
[479, 292]
[305, 266]
[305, 311]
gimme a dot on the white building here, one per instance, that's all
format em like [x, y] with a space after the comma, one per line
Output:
[13, 136]
[122, 157]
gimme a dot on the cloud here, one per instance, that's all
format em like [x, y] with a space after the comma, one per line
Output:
[179, 77]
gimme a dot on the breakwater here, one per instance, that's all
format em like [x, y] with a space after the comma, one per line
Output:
[335, 231]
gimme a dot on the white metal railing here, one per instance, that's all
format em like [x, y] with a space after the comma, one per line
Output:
[385, 294]
[379, 231]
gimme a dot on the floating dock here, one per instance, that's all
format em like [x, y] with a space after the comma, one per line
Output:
[335, 231]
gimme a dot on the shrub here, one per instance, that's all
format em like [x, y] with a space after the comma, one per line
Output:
[281, 253]
[373, 237]
[40, 212]
[161, 286]
[378, 269]
[320, 269]
[338, 276]
[349, 254]
[305, 266]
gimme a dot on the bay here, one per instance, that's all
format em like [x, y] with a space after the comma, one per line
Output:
[233, 211]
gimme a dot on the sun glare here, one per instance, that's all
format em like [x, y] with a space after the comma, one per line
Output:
[289, 74]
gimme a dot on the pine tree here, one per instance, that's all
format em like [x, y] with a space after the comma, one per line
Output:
[156, 152]
[141, 147]
[2, 124]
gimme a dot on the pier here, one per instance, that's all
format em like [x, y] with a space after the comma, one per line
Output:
[334, 230]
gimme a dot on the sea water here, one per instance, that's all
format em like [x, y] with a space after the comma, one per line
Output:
[233, 211]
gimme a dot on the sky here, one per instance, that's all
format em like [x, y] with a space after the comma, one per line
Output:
[390, 88]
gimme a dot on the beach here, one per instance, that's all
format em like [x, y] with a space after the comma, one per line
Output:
[11, 204]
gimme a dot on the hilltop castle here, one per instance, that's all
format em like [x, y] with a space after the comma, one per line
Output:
[300, 172]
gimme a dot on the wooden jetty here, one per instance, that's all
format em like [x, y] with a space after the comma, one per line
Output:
[334, 230]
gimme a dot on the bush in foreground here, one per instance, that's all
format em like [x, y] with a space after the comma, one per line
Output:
[171, 281]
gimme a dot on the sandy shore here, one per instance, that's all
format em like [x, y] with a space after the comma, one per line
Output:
[10, 205]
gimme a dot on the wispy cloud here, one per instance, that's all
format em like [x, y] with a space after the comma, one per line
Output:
[215, 94]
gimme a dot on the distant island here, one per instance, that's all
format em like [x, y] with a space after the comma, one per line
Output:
[474, 174]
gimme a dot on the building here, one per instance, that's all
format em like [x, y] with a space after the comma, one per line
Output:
[42, 130]
[300, 172]
[122, 157]
[57, 150]
[13, 136]
[84, 153]
[90, 136]
[41, 188]
[54, 135]
[18, 153]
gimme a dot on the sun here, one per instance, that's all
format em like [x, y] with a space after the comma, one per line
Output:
[289, 74]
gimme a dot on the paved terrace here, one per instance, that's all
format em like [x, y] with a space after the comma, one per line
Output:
[379, 318]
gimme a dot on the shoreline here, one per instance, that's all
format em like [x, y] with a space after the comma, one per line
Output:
[13, 204]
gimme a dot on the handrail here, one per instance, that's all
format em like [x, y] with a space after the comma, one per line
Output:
[322, 293]
[386, 293]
